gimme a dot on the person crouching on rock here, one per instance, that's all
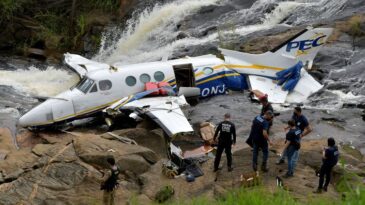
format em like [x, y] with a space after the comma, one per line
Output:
[227, 138]
[110, 182]
[260, 139]
[292, 147]
[329, 160]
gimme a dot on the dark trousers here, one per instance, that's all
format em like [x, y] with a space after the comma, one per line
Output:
[265, 151]
[325, 171]
[223, 147]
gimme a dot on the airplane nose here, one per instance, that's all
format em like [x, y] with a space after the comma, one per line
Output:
[40, 115]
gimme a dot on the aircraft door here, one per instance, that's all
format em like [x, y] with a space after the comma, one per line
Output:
[62, 109]
[184, 75]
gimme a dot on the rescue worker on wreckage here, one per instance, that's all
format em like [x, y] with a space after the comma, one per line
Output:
[227, 137]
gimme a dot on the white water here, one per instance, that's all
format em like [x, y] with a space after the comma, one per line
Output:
[34, 81]
[152, 35]
[157, 24]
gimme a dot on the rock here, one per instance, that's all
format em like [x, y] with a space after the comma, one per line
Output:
[181, 35]
[95, 150]
[3, 154]
[153, 140]
[58, 152]
[42, 149]
[2, 180]
[14, 175]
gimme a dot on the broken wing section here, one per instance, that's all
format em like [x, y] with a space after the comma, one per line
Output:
[165, 111]
[268, 86]
[82, 65]
[305, 87]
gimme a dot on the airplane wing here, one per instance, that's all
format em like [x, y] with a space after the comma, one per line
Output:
[82, 65]
[305, 87]
[165, 111]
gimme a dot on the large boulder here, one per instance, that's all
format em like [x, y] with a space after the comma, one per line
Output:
[94, 150]
[153, 140]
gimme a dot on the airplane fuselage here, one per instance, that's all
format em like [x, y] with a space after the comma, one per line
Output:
[101, 88]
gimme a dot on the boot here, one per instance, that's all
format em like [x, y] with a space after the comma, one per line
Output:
[318, 191]
[264, 167]
[254, 166]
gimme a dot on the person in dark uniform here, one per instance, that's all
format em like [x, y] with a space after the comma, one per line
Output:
[302, 123]
[329, 160]
[266, 106]
[292, 147]
[260, 139]
[110, 182]
[227, 138]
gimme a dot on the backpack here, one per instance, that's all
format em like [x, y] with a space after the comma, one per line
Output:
[112, 182]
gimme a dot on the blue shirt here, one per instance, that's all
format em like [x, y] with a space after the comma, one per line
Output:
[331, 154]
[259, 124]
[300, 121]
[293, 136]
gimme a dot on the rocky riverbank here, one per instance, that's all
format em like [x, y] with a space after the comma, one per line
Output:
[65, 168]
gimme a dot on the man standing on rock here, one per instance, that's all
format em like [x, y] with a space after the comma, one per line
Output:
[329, 160]
[292, 147]
[110, 182]
[302, 123]
[260, 139]
[227, 138]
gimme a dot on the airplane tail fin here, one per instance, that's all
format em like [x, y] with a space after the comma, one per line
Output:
[305, 45]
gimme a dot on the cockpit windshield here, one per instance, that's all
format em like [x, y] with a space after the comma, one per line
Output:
[85, 84]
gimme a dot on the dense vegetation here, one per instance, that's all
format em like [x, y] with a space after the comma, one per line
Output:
[52, 24]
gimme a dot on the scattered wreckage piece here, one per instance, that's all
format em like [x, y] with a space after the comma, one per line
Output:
[207, 132]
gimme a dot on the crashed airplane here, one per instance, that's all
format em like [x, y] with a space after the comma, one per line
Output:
[149, 88]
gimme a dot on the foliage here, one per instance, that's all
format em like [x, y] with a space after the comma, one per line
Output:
[8, 8]
[355, 29]
[108, 5]
[60, 24]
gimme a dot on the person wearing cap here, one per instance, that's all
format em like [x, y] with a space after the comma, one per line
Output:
[227, 137]
[301, 122]
[260, 139]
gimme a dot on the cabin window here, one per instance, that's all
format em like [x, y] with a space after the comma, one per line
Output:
[105, 85]
[85, 85]
[208, 70]
[159, 76]
[145, 78]
[94, 89]
[130, 81]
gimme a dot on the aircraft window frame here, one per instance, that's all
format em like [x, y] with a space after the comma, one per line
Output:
[94, 88]
[108, 83]
[144, 80]
[85, 85]
[129, 83]
[159, 76]
[208, 70]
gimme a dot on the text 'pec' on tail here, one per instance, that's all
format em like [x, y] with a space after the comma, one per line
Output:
[305, 45]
